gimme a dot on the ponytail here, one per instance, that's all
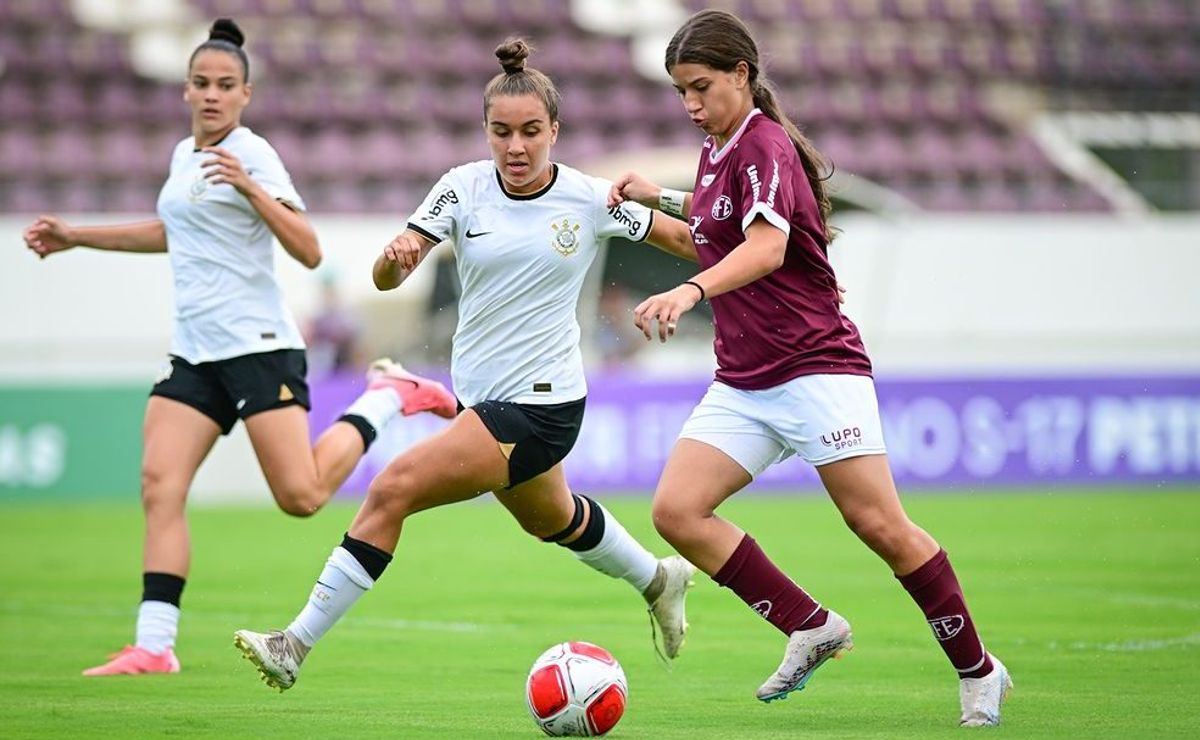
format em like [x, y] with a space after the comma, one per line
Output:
[816, 168]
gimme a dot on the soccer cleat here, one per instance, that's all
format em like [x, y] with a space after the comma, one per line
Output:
[668, 608]
[134, 660]
[981, 697]
[273, 653]
[806, 651]
[416, 393]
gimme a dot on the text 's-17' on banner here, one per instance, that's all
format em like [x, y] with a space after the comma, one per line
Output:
[939, 433]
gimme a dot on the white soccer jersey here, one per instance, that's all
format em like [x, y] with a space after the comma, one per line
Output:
[522, 261]
[227, 301]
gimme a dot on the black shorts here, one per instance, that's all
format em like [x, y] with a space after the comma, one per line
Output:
[237, 388]
[541, 434]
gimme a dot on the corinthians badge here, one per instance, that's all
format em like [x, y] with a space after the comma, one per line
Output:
[566, 237]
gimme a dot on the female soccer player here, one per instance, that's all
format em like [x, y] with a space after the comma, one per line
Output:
[235, 349]
[525, 231]
[792, 376]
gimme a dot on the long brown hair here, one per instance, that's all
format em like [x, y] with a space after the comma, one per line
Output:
[718, 39]
[517, 79]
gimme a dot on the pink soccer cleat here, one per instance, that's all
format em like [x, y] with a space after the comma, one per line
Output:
[133, 660]
[417, 394]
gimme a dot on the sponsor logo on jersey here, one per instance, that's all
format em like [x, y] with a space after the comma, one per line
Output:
[707, 180]
[723, 208]
[945, 628]
[694, 226]
[566, 237]
[763, 608]
[755, 184]
[843, 439]
[198, 189]
[444, 198]
[774, 186]
[623, 217]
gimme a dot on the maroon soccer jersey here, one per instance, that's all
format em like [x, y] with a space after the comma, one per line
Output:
[788, 323]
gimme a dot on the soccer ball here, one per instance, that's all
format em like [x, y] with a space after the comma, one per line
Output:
[576, 688]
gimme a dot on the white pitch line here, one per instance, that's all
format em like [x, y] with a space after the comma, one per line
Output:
[1130, 646]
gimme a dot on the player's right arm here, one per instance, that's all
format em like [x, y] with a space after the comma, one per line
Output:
[50, 234]
[433, 222]
[632, 186]
[400, 258]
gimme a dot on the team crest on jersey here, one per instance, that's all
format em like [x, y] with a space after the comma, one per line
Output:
[566, 237]
[723, 208]
[198, 189]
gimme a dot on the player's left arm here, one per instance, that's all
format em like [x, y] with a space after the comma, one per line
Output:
[760, 254]
[285, 221]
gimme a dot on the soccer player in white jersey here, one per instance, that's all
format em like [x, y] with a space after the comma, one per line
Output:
[235, 349]
[525, 231]
[793, 376]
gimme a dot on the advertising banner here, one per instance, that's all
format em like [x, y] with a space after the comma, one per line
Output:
[70, 441]
[940, 433]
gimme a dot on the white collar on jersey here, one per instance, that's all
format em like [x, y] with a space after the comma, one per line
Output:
[715, 155]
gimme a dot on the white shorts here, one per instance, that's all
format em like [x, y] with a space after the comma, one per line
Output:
[823, 418]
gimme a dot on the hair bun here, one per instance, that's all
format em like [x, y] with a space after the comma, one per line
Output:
[224, 29]
[512, 55]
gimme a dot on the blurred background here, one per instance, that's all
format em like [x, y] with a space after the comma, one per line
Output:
[1017, 184]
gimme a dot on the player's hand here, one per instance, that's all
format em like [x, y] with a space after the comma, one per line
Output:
[404, 250]
[47, 235]
[665, 308]
[841, 293]
[224, 167]
[632, 186]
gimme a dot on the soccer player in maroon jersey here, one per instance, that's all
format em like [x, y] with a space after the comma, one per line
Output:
[793, 376]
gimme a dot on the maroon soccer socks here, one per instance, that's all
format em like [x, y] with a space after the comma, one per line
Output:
[935, 589]
[751, 575]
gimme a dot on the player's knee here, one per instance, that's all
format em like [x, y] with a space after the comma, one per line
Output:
[392, 491]
[160, 491]
[673, 516]
[877, 530]
[297, 498]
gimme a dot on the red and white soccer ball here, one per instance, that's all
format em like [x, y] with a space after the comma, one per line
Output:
[577, 689]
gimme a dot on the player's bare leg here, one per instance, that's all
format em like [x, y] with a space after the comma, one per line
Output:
[697, 479]
[302, 481]
[865, 493]
[176, 439]
[456, 464]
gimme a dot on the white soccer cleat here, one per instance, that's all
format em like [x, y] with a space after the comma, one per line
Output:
[277, 659]
[981, 697]
[806, 651]
[668, 609]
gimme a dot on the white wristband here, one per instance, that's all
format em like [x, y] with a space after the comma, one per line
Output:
[671, 201]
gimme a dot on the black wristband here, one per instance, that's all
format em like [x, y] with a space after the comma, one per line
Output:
[697, 286]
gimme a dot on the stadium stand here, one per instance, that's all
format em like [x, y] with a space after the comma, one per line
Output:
[930, 98]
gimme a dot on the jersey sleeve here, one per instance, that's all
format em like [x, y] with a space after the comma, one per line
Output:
[263, 165]
[629, 220]
[762, 189]
[438, 213]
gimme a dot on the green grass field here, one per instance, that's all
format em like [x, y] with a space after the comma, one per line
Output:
[1092, 599]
